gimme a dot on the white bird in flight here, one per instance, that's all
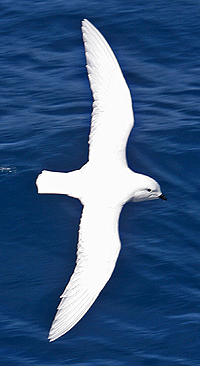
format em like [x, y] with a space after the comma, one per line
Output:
[103, 185]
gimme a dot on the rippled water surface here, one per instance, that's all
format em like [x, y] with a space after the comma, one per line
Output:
[149, 312]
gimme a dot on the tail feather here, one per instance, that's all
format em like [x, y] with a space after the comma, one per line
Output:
[59, 183]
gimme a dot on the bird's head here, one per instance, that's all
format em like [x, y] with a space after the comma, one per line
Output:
[147, 189]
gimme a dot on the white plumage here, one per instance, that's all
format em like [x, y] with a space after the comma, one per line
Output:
[103, 185]
[112, 116]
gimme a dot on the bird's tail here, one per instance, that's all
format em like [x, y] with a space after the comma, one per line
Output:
[59, 183]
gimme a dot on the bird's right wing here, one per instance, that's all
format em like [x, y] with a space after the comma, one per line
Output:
[98, 249]
[112, 115]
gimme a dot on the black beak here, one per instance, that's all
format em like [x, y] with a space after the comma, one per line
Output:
[163, 197]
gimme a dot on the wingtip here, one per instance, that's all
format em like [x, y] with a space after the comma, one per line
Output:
[56, 333]
[52, 337]
[83, 22]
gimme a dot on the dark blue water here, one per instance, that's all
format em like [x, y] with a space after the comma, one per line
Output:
[149, 312]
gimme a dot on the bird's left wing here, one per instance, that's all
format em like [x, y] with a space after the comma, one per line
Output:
[112, 115]
[98, 249]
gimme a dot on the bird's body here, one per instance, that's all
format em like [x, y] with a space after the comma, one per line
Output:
[103, 185]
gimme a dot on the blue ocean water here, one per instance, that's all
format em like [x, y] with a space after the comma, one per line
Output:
[149, 312]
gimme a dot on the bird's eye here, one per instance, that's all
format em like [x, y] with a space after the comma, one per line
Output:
[149, 189]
